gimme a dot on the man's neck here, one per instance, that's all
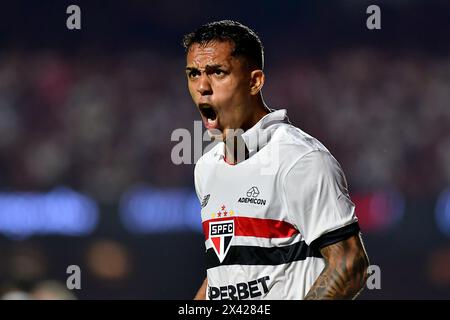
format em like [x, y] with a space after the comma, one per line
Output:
[235, 148]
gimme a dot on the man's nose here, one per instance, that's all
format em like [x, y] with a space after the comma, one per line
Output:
[204, 86]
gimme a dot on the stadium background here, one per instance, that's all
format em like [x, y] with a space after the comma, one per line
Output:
[86, 117]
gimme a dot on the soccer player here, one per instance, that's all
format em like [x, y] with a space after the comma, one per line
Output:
[285, 233]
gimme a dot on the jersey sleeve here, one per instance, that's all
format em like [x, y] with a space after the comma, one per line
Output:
[318, 201]
[197, 183]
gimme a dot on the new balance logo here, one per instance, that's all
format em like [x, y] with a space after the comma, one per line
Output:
[205, 200]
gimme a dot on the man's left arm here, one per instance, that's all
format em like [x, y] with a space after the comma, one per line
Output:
[345, 272]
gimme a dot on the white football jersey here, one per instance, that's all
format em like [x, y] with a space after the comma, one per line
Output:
[266, 218]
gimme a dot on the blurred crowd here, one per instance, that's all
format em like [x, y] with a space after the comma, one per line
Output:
[96, 113]
[45, 290]
[385, 116]
[102, 122]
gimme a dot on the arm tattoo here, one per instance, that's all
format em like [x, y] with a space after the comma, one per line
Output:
[345, 271]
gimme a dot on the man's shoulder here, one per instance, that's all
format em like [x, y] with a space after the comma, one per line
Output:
[294, 142]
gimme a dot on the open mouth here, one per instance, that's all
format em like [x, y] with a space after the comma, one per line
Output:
[209, 116]
[207, 111]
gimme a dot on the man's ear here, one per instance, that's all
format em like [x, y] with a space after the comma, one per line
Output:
[256, 81]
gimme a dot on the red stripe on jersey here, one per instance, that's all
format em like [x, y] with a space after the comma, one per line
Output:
[256, 227]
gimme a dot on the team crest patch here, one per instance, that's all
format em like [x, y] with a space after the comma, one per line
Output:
[221, 233]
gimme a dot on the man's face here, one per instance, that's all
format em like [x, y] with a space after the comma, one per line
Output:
[219, 84]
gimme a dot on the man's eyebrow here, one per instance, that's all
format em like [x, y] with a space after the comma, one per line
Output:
[208, 67]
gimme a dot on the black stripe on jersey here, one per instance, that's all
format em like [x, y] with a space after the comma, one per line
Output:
[336, 235]
[253, 255]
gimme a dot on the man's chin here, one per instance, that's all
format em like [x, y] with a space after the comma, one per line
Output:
[222, 135]
[216, 135]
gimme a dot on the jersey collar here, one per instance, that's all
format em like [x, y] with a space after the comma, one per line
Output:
[260, 134]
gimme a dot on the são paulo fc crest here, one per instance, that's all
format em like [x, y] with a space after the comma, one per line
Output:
[221, 233]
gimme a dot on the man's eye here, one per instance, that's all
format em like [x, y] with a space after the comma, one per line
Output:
[218, 72]
[193, 74]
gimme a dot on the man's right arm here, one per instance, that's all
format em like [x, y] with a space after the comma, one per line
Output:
[201, 293]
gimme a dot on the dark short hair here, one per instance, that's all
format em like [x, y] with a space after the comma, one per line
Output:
[246, 41]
